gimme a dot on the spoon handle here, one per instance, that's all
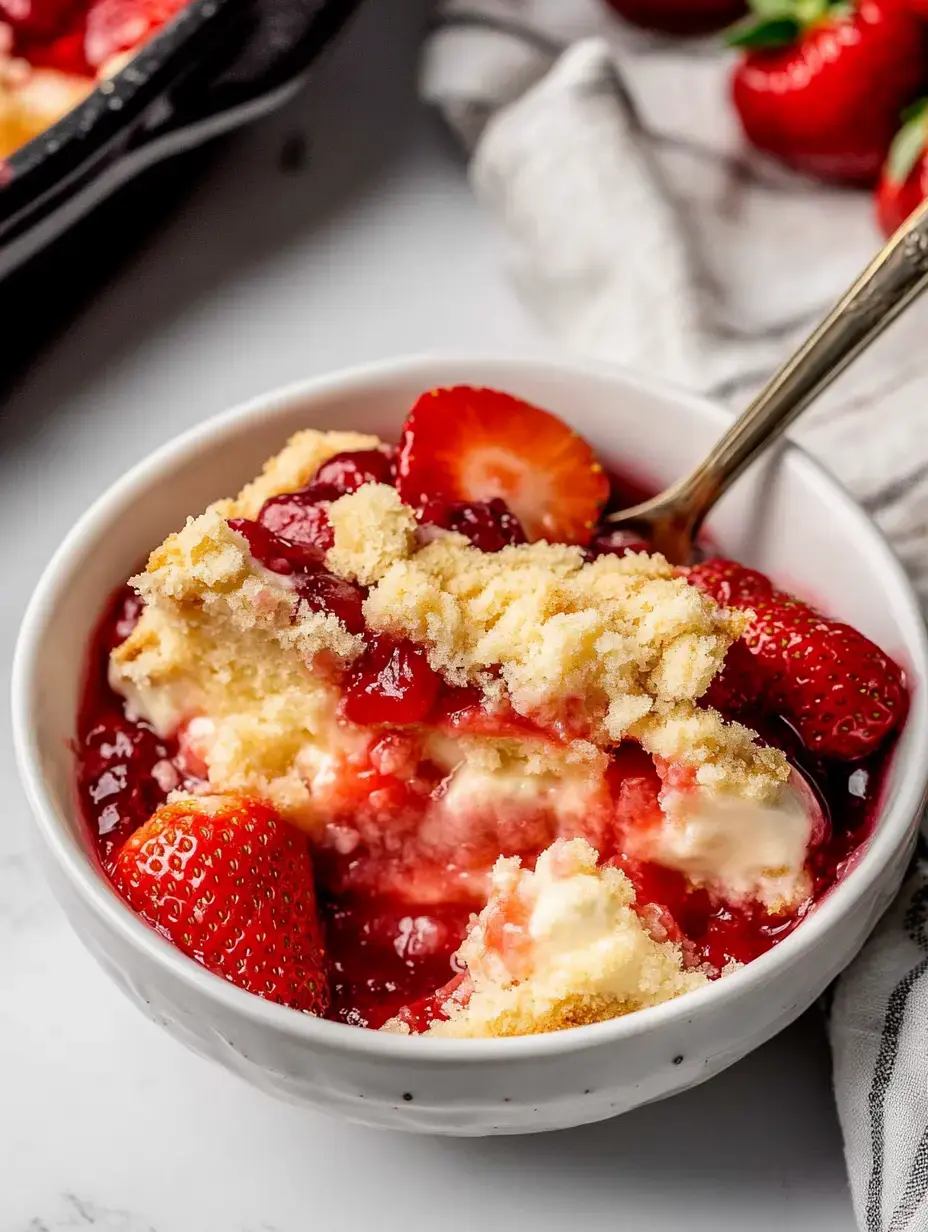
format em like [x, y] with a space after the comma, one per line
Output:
[893, 280]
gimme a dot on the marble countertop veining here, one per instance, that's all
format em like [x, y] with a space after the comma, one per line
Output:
[339, 230]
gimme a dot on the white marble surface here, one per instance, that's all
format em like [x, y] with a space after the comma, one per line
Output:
[375, 247]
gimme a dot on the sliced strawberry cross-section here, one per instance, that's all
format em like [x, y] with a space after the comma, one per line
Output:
[465, 444]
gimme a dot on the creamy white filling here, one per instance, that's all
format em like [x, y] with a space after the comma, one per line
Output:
[577, 917]
[569, 931]
[739, 848]
[474, 787]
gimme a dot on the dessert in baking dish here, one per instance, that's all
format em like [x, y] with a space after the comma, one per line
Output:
[407, 737]
[53, 53]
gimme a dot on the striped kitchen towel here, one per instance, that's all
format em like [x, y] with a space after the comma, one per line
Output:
[639, 229]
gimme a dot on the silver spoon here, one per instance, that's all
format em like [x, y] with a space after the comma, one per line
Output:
[893, 280]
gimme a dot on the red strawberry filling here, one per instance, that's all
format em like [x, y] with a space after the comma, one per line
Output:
[489, 525]
[75, 43]
[395, 896]
[404, 857]
[347, 472]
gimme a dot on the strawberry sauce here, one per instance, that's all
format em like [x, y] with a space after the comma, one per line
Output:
[385, 951]
[394, 902]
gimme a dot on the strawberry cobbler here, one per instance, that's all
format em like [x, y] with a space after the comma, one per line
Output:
[53, 53]
[406, 737]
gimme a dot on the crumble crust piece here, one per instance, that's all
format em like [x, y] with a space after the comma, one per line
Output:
[293, 468]
[633, 643]
[624, 644]
[373, 528]
[560, 947]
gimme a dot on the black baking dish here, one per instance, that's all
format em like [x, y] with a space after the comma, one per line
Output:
[218, 64]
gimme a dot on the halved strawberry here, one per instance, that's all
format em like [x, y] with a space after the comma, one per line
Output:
[840, 691]
[465, 444]
[231, 884]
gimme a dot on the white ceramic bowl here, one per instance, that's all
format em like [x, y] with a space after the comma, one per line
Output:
[789, 518]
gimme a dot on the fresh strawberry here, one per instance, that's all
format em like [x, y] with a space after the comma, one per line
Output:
[679, 16]
[734, 689]
[822, 83]
[732, 585]
[465, 444]
[230, 884]
[36, 19]
[903, 185]
[729, 583]
[115, 26]
[840, 692]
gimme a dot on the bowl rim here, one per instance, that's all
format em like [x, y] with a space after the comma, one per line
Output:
[893, 828]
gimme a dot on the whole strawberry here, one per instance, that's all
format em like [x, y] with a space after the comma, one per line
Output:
[822, 83]
[230, 884]
[679, 16]
[903, 185]
[843, 695]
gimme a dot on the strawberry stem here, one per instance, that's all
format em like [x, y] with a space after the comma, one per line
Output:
[781, 23]
[910, 143]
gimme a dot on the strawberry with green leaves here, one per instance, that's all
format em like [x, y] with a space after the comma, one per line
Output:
[821, 83]
[903, 185]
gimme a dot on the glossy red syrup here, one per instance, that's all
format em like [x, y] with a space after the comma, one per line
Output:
[393, 922]
[489, 525]
[346, 472]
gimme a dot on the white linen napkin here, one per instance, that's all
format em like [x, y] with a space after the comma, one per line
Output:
[639, 229]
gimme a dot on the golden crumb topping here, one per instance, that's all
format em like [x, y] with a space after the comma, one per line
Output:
[226, 642]
[559, 947]
[293, 468]
[614, 648]
[622, 632]
[623, 640]
[373, 528]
